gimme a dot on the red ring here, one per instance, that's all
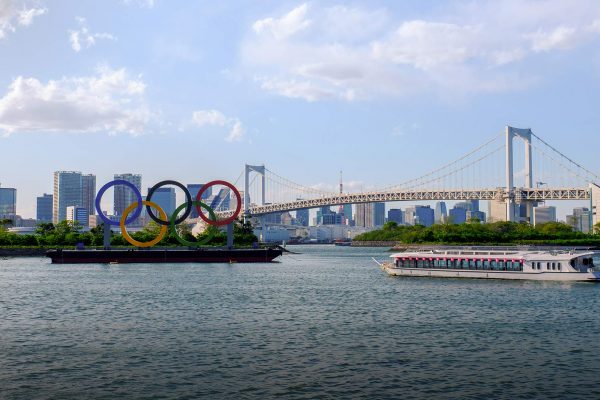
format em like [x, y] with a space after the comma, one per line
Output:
[223, 221]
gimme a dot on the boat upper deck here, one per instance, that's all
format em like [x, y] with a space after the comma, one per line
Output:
[561, 254]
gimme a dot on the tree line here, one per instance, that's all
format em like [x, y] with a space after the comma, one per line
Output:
[69, 233]
[554, 233]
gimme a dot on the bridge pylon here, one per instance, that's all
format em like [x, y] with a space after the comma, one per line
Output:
[512, 202]
[259, 169]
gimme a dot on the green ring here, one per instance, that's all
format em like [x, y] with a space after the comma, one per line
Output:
[174, 230]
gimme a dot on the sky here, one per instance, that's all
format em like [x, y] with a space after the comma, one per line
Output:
[193, 90]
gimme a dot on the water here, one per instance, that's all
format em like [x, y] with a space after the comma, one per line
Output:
[326, 323]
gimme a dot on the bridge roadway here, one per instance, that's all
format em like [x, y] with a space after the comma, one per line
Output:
[519, 195]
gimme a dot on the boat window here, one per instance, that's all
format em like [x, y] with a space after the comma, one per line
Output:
[479, 264]
[548, 266]
[471, 264]
[558, 266]
[419, 263]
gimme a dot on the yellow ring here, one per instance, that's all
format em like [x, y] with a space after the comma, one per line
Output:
[161, 234]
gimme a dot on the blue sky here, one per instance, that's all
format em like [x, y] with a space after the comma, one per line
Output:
[192, 90]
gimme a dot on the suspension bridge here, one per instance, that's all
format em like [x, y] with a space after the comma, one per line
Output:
[476, 175]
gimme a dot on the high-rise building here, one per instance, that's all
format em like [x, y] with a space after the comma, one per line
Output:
[395, 215]
[496, 211]
[194, 188]
[124, 196]
[419, 215]
[472, 215]
[78, 214]
[44, 208]
[67, 192]
[8, 203]
[302, 217]
[440, 213]
[364, 215]
[165, 198]
[580, 219]
[271, 218]
[321, 212]
[348, 214]
[221, 201]
[370, 215]
[379, 213]
[543, 214]
[88, 192]
[458, 215]
[332, 218]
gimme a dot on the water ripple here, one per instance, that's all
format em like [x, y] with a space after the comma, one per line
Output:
[323, 324]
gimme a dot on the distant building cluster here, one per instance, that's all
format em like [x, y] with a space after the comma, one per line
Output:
[73, 199]
[74, 194]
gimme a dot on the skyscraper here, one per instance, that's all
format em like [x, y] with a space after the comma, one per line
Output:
[418, 215]
[348, 214]
[67, 192]
[580, 219]
[78, 214]
[8, 201]
[302, 216]
[458, 215]
[379, 214]
[395, 215]
[165, 198]
[440, 214]
[124, 196]
[44, 208]
[363, 216]
[88, 192]
[370, 215]
[543, 214]
[194, 188]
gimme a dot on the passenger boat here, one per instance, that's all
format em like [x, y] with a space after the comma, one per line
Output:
[557, 265]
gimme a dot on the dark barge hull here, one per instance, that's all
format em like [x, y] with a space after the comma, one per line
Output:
[163, 256]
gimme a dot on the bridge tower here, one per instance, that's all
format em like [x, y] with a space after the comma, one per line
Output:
[511, 210]
[259, 169]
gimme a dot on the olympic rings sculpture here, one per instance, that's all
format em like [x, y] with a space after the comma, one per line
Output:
[167, 223]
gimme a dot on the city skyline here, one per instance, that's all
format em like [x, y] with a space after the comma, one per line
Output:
[181, 91]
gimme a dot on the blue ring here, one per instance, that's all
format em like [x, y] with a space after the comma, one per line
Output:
[103, 189]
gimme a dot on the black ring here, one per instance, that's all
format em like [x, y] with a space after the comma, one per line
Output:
[188, 200]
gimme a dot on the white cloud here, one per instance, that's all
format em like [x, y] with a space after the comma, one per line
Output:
[319, 52]
[209, 117]
[26, 16]
[561, 38]
[83, 38]
[109, 101]
[140, 3]
[292, 22]
[236, 133]
[16, 13]
[425, 44]
[204, 118]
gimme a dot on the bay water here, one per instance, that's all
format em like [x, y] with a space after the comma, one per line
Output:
[325, 323]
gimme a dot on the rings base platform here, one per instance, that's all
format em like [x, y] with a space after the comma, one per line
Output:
[163, 256]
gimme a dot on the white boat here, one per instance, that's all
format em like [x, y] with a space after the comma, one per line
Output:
[559, 265]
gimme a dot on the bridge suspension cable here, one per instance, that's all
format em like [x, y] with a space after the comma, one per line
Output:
[419, 181]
